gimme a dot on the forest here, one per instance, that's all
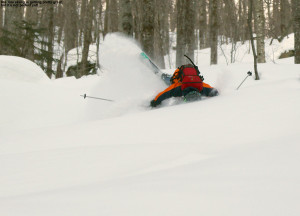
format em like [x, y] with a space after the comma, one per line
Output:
[45, 31]
[88, 127]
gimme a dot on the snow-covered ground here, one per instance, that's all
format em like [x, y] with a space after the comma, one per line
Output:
[235, 154]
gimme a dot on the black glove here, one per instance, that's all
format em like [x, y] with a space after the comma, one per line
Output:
[153, 103]
[213, 92]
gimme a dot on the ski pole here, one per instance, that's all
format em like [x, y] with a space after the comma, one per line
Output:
[85, 96]
[248, 74]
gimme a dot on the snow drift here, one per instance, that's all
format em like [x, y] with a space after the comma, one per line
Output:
[235, 154]
[20, 69]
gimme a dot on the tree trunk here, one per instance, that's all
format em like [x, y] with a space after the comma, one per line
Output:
[158, 49]
[32, 17]
[71, 27]
[282, 17]
[148, 27]
[126, 17]
[82, 20]
[60, 22]
[1, 26]
[165, 27]
[260, 31]
[137, 14]
[31, 14]
[242, 21]
[276, 19]
[87, 37]
[285, 17]
[50, 32]
[173, 16]
[296, 15]
[232, 20]
[59, 73]
[106, 17]
[203, 24]
[111, 17]
[245, 26]
[1, 17]
[12, 15]
[213, 32]
[269, 20]
[185, 30]
[114, 21]
[97, 20]
[251, 38]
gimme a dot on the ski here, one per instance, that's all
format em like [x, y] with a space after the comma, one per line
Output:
[165, 77]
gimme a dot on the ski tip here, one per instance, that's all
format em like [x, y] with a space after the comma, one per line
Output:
[84, 96]
[144, 55]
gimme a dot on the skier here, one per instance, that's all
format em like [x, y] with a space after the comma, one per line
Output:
[186, 81]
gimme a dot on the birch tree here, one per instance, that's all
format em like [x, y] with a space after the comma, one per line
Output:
[260, 30]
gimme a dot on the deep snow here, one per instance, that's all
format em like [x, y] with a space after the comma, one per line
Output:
[235, 154]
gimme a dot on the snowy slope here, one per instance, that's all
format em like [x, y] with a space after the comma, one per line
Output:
[235, 154]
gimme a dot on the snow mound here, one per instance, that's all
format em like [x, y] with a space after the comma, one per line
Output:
[20, 69]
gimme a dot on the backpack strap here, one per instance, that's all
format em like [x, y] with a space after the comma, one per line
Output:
[177, 75]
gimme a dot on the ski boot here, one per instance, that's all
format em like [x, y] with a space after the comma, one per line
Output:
[192, 96]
